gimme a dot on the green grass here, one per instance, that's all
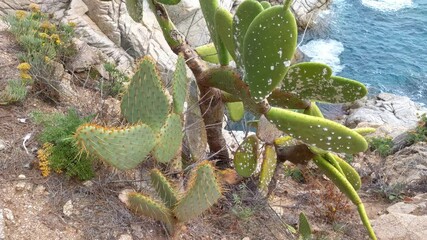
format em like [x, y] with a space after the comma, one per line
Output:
[58, 129]
[419, 134]
[381, 145]
[15, 91]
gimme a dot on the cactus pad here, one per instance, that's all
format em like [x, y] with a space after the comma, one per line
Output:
[282, 99]
[169, 139]
[163, 188]
[236, 110]
[146, 206]
[179, 85]
[304, 227]
[246, 156]
[169, 2]
[146, 100]
[265, 4]
[268, 167]
[204, 190]
[223, 25]
[269, 46]
[349, 172]
[313, 110]
[314, 81]
[245, 14]
[123, 148]
[320, 132]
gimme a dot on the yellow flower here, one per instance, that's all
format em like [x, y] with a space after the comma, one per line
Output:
[43, 35]
[58, 41]
[25, 76]
[34, 7]
[46, 59]
[54, 36]
[24, 66]
[20, 14]
[43, 155]
[72, 24]
[46, 25]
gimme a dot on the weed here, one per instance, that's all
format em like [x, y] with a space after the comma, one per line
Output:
[59, 149]
[381, 145]
[239, 210]
[393, 192]
[45, 45]
[15, 91]
[115, 86]
[419, 134]
[295, 173]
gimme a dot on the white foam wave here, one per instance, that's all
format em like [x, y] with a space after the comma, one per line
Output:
[387, 5]
[325, 51]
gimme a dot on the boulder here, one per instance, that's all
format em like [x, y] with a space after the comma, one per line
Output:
[407, 167]
[391, 114]
[307, 11]
[405, 220]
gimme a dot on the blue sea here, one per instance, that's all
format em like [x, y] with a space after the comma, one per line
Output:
[382, 43]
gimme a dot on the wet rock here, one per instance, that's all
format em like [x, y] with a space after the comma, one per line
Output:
[405, 220]
[307, 11]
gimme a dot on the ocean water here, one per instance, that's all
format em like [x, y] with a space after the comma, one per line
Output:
[382, 43]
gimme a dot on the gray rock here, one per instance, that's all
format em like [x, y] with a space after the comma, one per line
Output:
[68, 208]
[307, 11]
[2, 145]
[408, 167]
[2, 234]
[391, 114]
[404, 220]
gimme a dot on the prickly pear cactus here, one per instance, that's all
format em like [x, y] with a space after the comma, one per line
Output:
[155, 117]
[202, 192]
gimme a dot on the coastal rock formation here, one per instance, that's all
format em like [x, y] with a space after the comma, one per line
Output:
[391, 114]
[405, 220]
[108, 26]
[407, 167]
[307, 11]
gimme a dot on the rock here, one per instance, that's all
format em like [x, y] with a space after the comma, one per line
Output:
[125, 237]
[8, 214]
[404, 220]
[391, 114]
[68, 208]
[2, 145]
[2, 235]
[40, 190]
[87, 57]
[21, 176]
[20, 186]
[307, 11]
[88, 184]
[408, 167]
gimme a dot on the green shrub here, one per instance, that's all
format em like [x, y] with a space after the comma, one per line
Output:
[45, 45]
[295, 173]
[15, 91]
[115, 86]
[59, 151]
[419, 134]
[381, 145]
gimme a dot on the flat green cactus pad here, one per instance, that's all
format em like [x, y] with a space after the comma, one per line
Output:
[313, 81]
[123, 148]
[313, 110]
[268, 167]
[279, 98]
[163, 188]
[169, 2]
[146, 206]
[246, 156]
[265, 4]
[209, 8]
[223, 25]
[236, 110]
[269, 46]
[320, 132]
[304, 227]
[169, 140]
[349, 172]
[179, 85]
[245, 14]
[204, 190]
[146, 100]
[208, 53]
